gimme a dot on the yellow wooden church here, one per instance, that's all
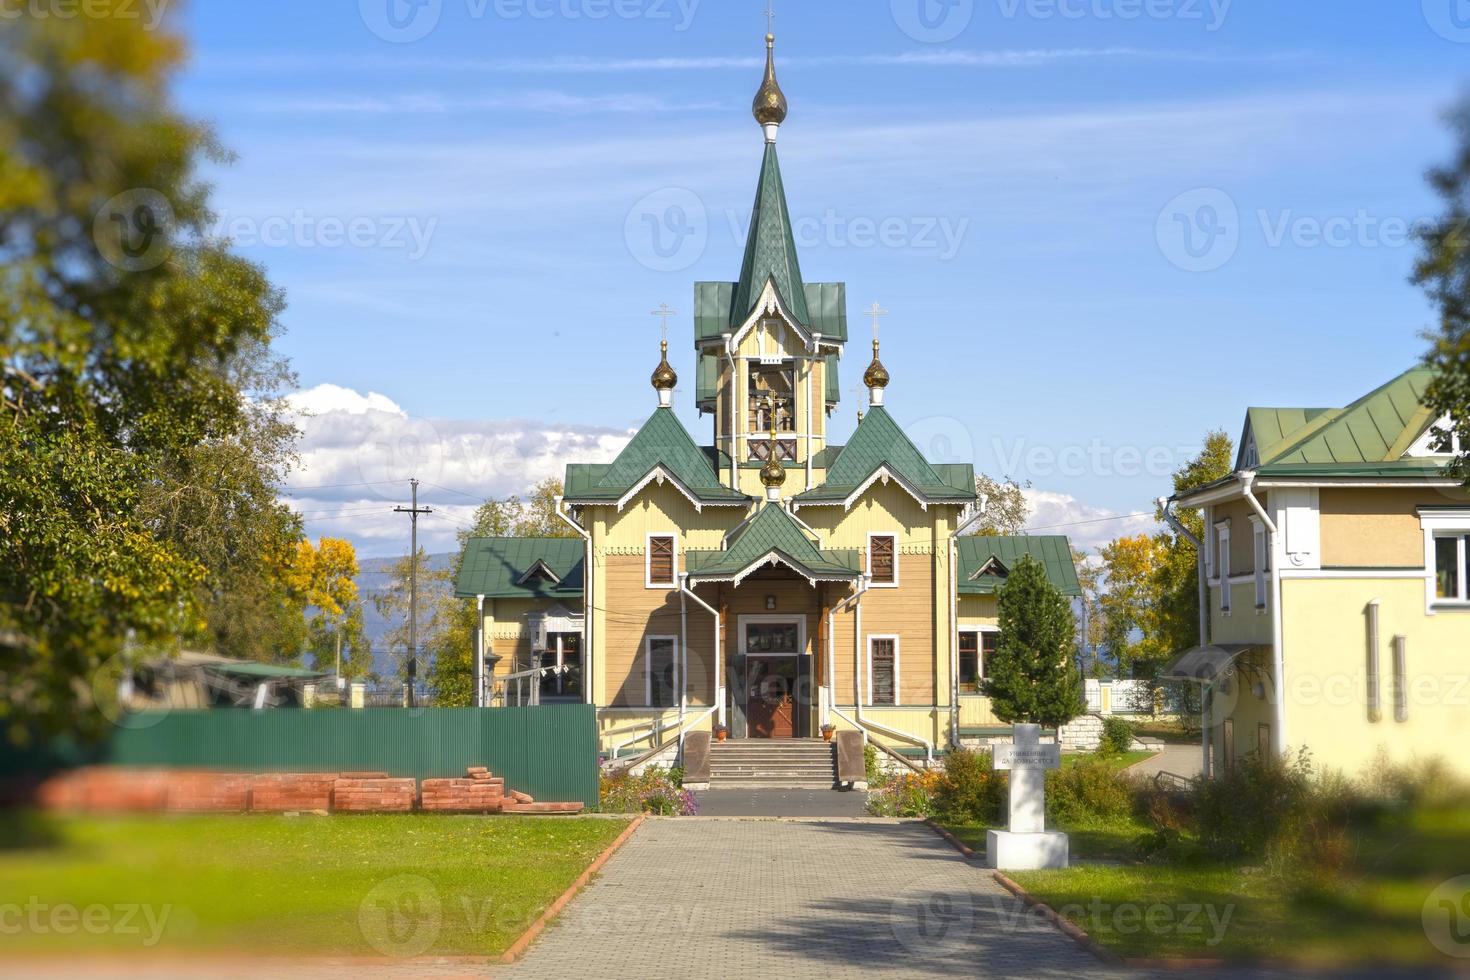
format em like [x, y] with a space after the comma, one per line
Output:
[769, 584]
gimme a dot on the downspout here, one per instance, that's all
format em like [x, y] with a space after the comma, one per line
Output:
[857, 681]
[479, 651]
[734, 414]
[719, 686]
[589, 608]
[954, 620]
[1166, 507]
[811, 351]
[1278, 661]
[683, 656]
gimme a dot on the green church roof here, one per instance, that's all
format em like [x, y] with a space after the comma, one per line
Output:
[772, 531]
[770, 248]
[1377, 428]
[715, 312]
[878, 442]
[976, 551]
[662, 441]
[497, 568]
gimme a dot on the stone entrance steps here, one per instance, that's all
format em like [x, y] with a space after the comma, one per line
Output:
[772, 763]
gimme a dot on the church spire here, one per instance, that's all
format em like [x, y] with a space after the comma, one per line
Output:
[770, 249]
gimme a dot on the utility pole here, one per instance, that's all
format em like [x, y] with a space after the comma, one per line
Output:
[413, 513]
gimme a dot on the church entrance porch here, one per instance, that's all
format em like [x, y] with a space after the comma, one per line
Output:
[775, 685]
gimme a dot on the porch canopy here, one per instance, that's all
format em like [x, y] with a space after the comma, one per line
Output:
[772, 538]
[1206, 664]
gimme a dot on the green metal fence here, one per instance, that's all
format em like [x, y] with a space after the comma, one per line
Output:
[548, 751]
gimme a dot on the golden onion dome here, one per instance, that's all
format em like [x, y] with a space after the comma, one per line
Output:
[664, 378]
[773, 474]
[770, 102]
[876, 376]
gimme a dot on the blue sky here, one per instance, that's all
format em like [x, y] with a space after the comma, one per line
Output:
[1101, 227]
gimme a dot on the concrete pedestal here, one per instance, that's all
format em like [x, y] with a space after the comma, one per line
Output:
[1007, 851]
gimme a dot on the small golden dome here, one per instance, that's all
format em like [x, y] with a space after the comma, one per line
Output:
[664, 378]
[773, 474]
[770, 102]
[876, 376]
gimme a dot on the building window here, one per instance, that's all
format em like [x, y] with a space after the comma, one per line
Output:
[989, 642]
[563, 651]
[882, 670]
[969, 661]
[1222, 564]
[772, 388]
[660, 671]
[660, 561]
[882, 560]
[1449, 568]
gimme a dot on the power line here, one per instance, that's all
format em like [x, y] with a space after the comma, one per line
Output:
[1100, 520]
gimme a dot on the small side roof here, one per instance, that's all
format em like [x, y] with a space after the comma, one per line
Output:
[772, 532]
[879, 443]
[497, 568]
[660, 445]
[976, 552]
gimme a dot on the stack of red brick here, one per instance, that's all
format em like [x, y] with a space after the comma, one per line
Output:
[117, 790]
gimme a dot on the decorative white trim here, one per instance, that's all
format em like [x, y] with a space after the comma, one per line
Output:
[885, 474]
[872, 582]
[770, 304]
[648, 582]
[648, 670]
[662, 474]
[897, 698]
[979, 644]
[1423, 447]
[538, 566]
[773, 557]
[1262, 554]
[1222, 562]
[1444, 523]
[1351, 573]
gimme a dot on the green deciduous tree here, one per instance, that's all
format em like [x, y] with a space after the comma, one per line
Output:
[140, 433]
[1032, 676]
[1006, 510]
[1444, 272]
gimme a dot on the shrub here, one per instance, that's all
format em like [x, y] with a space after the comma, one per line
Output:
[970, 790]
[909, 795]
[1275, 810]
[1117, 736]
[653, 792]
[1091, 789]
[876, 776]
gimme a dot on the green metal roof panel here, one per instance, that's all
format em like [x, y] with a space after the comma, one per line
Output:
[714, 313]
[492, 566]
[1053, 551]
[661, 441]
[707, 380]
[833, 379]
[1275, 429]
[770, 248]
[773, 530]
[1374, 429]
[878, 442]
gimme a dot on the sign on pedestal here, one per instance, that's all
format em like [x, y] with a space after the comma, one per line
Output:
[1026, 844]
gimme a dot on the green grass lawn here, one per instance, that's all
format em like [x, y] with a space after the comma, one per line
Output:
[370, 885]
[1193, 908]
[1120, 761]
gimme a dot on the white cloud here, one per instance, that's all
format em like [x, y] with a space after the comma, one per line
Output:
[1088, 527]
[358, 453]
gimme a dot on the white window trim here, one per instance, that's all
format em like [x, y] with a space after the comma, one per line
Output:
[896, 573]
[1262, 552]
[979, 644]
[1438, 524]
[1222, 563]
[897, 696]
[648, 582]
[648, 669]
[743, 620]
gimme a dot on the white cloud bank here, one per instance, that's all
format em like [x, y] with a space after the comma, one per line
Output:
[359, 451]
[1087, 526]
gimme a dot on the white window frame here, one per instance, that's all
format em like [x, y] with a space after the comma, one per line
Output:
[1444, 524]
[648, 642]
[979, 631]
[1262, 562]
[872, 584]
[897, 654]
[648, 582]
[1222, 563]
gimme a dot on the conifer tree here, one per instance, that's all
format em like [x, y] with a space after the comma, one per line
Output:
[1032, 676]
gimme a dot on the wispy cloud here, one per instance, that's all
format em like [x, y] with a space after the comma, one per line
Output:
[568, 64]
[540, 101]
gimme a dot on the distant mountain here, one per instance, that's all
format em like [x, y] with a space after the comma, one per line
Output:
[374, 577]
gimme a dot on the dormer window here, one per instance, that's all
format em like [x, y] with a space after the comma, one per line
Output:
[1440, 439]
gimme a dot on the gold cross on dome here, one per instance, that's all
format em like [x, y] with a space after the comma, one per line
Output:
[877, 313]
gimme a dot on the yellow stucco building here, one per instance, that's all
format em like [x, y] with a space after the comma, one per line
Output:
[1334, 588]
[770, 582]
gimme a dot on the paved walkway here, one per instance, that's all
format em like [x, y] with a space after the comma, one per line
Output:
[709, 898]
[1182, 760]
[781, 803]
